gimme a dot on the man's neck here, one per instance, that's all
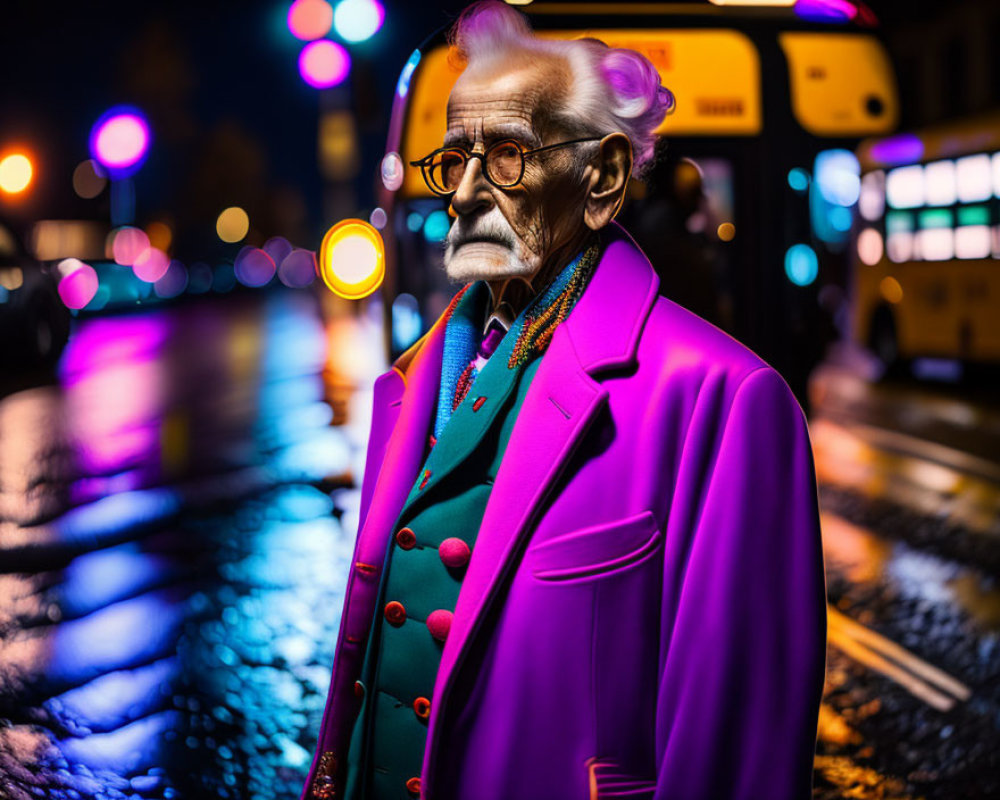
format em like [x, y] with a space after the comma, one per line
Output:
[510, 295]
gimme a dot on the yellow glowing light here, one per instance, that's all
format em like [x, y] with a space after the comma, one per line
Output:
[518, 2]
[233, 224]
[15, 173]
[352, 259]
[160, 235]
[11, 278]
[726, 231]
[890, 289]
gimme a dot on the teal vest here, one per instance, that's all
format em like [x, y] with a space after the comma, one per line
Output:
[432, 541]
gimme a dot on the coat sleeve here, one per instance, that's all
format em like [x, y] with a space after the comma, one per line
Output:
[745, 617]
[387, 395]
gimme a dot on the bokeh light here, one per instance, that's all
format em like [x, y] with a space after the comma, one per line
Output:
[160, 235]
[119, 140]
[127, 244]
[436, 226]
[798, 179]
[726, 231]
[357, 20]
[310, 19]
[253, 267]
[89, 179]
[172, 282]
[298, 269]
[392, 171]
[801, 264]
[233, 224]
[277, 247]
[200, 277]
[870, 247]
[324, 64]
[77, 283]
[352, 259]
[151, 265]
[16, 173]
[378, 218]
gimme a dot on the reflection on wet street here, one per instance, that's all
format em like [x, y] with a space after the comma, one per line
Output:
[911, 529]
[177, 515]
[176, 519]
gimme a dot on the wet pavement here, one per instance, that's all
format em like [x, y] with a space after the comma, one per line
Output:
[177, 514]
[176, 521]
[911, 528]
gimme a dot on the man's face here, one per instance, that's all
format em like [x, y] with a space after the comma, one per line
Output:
[500, 233]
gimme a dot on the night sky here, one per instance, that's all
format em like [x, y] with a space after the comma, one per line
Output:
[232, 121]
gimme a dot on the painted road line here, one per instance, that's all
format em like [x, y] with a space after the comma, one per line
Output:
[925, 681]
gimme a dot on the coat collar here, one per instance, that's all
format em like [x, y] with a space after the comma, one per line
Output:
[623, 280]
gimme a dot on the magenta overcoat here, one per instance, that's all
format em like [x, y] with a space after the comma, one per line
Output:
[644, 612]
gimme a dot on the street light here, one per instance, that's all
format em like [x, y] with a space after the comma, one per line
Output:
[16, 172]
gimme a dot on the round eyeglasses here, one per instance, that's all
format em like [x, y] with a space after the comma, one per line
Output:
[503, 164]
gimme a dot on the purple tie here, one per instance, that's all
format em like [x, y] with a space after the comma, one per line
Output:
[494, 333]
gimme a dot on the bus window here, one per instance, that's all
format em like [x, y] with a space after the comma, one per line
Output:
[927, 239]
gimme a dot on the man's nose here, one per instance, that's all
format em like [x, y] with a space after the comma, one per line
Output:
[473, 192]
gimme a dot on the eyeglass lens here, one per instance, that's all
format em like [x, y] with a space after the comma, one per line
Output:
[503, 161]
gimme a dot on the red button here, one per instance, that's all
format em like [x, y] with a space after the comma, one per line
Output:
[422, 708]
[439, 624]
[478, 404]
[413, 786]
[454, 552]
[395, 613]
[406, 538]
[359, 689]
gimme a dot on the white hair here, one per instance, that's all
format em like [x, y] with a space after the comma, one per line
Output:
[614, 89]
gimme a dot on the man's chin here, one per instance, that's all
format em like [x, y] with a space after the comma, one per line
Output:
[483, 261]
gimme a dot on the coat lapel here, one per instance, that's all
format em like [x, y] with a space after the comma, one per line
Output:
[602, 331]
[420, 369]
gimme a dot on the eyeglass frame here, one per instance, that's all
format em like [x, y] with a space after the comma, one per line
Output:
[470, 154]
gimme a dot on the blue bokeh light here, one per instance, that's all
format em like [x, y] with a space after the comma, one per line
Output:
[801, 264]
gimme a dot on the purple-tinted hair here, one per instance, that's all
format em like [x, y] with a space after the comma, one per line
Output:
[615, 89]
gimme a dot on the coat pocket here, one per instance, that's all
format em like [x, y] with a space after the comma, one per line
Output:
[596, 551]
[608, 781]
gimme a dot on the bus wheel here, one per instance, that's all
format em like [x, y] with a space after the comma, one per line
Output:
[883, 341]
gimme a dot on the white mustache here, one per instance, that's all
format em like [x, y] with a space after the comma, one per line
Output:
[489, 228]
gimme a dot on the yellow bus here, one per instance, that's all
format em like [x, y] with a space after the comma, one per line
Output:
[762, 90]
[926, 276]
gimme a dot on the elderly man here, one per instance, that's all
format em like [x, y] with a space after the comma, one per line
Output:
[589, 557]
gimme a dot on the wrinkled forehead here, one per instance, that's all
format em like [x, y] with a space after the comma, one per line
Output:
[517, 99]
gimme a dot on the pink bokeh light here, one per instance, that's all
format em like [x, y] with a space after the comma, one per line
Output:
[128, 244]
[78, 283]
[151, 265]
[119, 140]
[310, 19]
[324, 64]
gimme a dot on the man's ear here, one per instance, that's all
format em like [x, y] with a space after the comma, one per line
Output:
[607, 180]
